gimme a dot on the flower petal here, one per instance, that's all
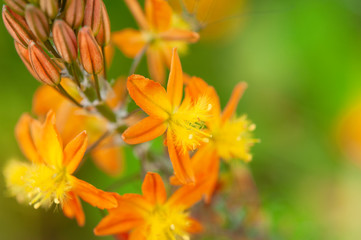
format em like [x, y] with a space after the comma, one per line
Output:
[153, 189]
[147, 129]
[156, 64]
[149, 96]
[72, 208]
[115, 223]
[92, 195]
[159, 14]
[233, 101]
[129, 41]
[175, 81]
[194, 226]
[46, 98]
[138, 13]
[25, 140]
[180, 35]
[180, 160]
[74, 151]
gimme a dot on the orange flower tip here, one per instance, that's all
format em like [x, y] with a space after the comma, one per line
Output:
[65, 41]
[50, 7]
[17, 6]
[45, 68]
[37, 21]
[24, 56]
[74, 13]
[93, 15]
[104, 34]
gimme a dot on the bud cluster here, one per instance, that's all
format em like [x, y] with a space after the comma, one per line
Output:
[59, 37]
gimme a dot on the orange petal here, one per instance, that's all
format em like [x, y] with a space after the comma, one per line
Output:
[137, 12]
[233, 101]
[74, 151]
[109, 157]
[153, 189]
[129, 41]
[180, 35]
[72, 208]
[48, 142]
[139, 233]
[180, 160]
[117, 97]
[132, 204]
[155, 59]
[92, 195]
[175, 81]
[147, 129]
[159, 14]
[46, 98]
[149, 96]
[194, 226]
[114, 224]
[25, 140]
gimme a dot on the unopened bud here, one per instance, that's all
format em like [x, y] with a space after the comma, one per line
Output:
[93, 15]
[17, 27]
[43, 66]
[65, 41]
[74, 13]
[24, 55]
[17, 6]
[90, 53]
[37, 21]
[50, 7]
[103, 36]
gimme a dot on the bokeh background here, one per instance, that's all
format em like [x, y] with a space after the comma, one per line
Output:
[302, 62]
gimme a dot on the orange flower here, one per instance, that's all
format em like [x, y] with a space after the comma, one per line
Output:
[71, 120]
[184, 121]
[49, 177]
[160, 31]
[151, 216]
[231, 136]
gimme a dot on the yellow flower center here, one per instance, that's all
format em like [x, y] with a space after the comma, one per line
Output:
[167, 223]
[188, 123]
[234, 139]
[38, 184]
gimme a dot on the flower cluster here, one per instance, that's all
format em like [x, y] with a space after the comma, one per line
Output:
[65, 44]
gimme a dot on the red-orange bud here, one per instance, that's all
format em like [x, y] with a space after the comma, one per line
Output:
[50, 7]
[17, 6]
[17, 27]
[24, 55]
[90, 53]
[37, 21]
[74, 13]
[93, 15]
[45, 68]
[104, 33]
[65, 41]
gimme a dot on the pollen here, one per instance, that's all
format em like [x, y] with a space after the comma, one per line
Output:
[234, 139]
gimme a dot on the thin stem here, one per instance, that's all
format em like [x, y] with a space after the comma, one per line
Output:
[117, 184]
[67, 95]
[104, 63]
[75, 74]
[51, 49]
[97, 87]
[95, 144]
[137, 59]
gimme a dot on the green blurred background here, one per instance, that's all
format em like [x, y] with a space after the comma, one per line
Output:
[302, 61]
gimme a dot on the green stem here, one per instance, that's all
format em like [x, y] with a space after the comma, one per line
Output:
[67, 95]
[51, 49]
[97, 87]
[104, 63]
[106, 112]
[75, 74]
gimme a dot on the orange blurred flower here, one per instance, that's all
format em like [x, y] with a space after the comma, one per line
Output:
[160, 31]
[183, 121]
[231, 136]
[48, 178]
[107, 155]
[151, 216]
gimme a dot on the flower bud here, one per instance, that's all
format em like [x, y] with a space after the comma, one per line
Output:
[17, 6]
[90, 53]
[65, 41]
[103, 36]
[24, 55]
[74, 13]
[17, 27]
[50, 7]
[93, 15]
[37, 21]
[43, 66]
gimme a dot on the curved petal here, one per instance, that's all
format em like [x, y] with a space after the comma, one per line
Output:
[129, 41]
[149, 96]
[115, 223]
[92, 195]
[180, 160]
[153, 189]
[147, 129]
[175, 81]
[72, 208]
[233, 101]
[25, 140]
[180, 35]
[194, 226]
[159, 14]
[74, 151]
[156, 64]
